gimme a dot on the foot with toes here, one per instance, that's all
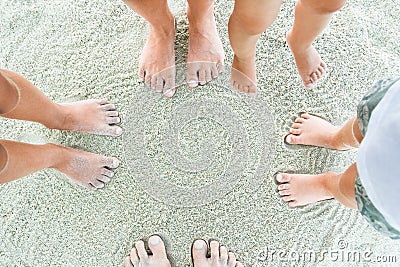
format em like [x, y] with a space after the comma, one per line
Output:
[90, 116]
[205, 60]
[308, 61]
[312, 130]
[219, 255]
[303, 189]
[89, 170]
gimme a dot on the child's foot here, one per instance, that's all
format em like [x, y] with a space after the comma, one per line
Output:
[309, 63]
[157, 61]
[90, 116]
[243, 74]
[205, 59]
[313, 131]
[139, 257]
[303, 189]
[220, 257]
[87, 169]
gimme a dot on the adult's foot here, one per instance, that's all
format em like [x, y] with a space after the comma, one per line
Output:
[243, 74]
[220, 257]
[205, 60]
[89, 116]
[303, 189]
[86, 169]
[314, 131]
[308, 61]
[139, 257]
[157, 61]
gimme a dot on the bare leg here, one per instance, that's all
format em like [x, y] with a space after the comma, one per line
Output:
[206, 55]
[311, 17]
[315, 131]
[86, 169]
[91, 116]
[248, 20]
[303, 189]
[220, 256]
[157, 61]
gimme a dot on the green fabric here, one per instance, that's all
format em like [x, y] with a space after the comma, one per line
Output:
[365, 206]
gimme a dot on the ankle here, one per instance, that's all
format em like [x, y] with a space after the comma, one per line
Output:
[62, 118]
[330, 183]
[60, 156]
[165, 26]
[199, 20]
[296, 42]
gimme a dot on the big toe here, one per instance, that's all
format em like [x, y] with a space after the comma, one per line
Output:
[199, 253]
[192, 75]
[157, 247]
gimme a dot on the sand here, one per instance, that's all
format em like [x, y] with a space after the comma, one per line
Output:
[199, 165]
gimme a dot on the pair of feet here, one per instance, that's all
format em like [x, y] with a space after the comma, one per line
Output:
[219, 255]
[303, 189]
[89, 170]
[205, 59]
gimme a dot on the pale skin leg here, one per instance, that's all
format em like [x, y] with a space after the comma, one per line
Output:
[85, 169]
[205, 58]
[25, 102]
[302, 189]
[220, 257]
[311, 17]
[91, 116]
[157, 61]
[248, 20]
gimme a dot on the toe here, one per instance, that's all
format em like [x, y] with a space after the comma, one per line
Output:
[153, 83]
[293, 139]
[208, 75]
[169, 87]
[111, 162]
[107, 172]
[157, 247]
[252, 89]
[147, 80]
[323, 65]
[108, 107]
[220, 68]
[97, 183]
[214, 247]
[127, 262]
[284, 186]
[299, 120]
[214, 71]
[239, 264]
[295, 131]
[231, 259]
[192, 77]
[284, 193]
[113, 113]
[199, 252]
[141, 251]
[223, 255]
[113, 120]
[305, 116]
[296, 125]
[134, 257]
[318, 73]
[283, 178]
[105, 179]
[314, 77]
[103, 101]
[202, 77]
[321, 70]
[114, 130]
[288, 198]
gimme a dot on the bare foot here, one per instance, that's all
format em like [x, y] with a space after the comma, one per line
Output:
[90, 116]
[313, 131]
[309, 63]
[220, 257]
[303, 189]
[243, 75]
[205, 59]
[87, 169]
[157, 61]
[140, 258]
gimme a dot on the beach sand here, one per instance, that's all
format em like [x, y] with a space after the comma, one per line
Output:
[200, 165]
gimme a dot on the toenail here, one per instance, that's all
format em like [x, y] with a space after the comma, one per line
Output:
[289, 139]
[115, 162]
[154, 240]
[118, 131]
[198, 244]
[193, 82]
[279, 178]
